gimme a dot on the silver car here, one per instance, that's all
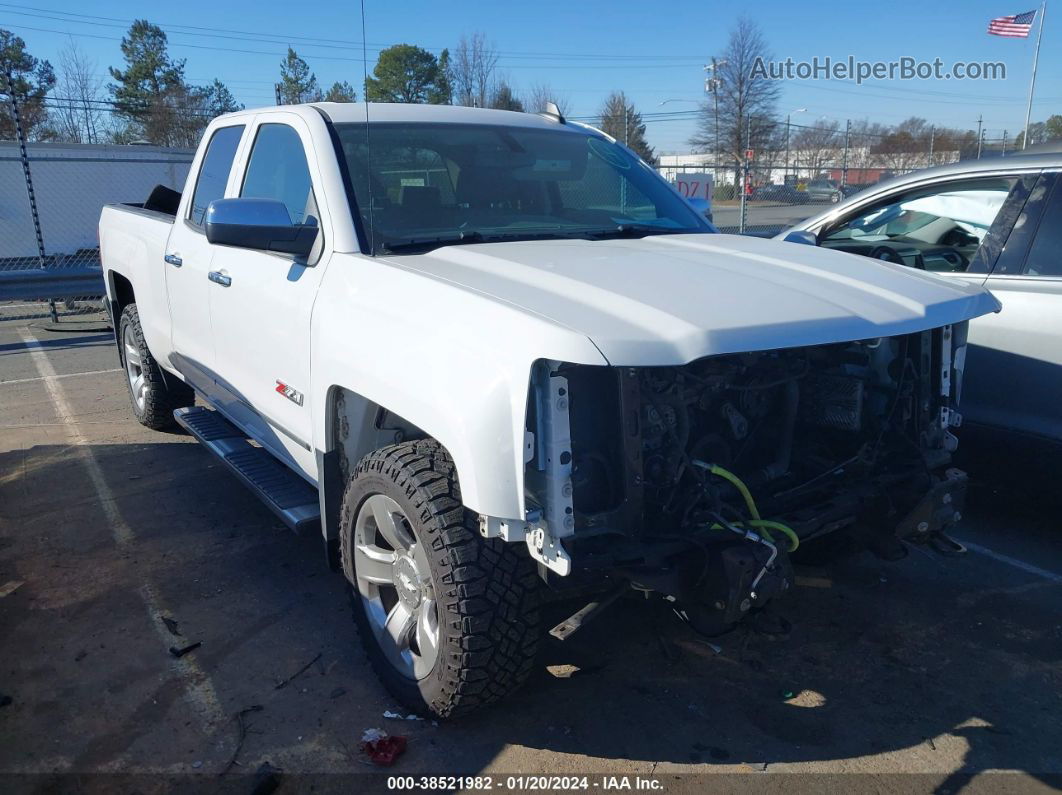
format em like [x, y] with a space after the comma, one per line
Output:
[996, 222]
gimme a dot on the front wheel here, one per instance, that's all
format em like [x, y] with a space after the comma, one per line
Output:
[449, 620]
[154, 397]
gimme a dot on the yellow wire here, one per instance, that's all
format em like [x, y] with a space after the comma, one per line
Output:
[762, 525]
[726, 474]
[759, 523]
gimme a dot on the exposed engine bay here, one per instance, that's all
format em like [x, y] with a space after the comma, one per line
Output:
[699, 481]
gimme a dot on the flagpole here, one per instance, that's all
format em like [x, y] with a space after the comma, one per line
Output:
[1032, 82]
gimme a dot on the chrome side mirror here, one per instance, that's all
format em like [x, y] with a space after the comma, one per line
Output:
[260, 224]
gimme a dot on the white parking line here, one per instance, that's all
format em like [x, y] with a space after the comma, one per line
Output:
[1018, 564]
[196, 682]
[59, 375]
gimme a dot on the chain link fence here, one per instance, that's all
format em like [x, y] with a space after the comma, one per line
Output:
[777, 173]
[50, 200]
[51, 242]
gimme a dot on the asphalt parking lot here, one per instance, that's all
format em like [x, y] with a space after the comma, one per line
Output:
[945, 670]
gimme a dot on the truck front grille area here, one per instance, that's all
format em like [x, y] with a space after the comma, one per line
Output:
[819, 436]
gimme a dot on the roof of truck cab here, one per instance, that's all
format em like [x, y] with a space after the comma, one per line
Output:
[384, 112]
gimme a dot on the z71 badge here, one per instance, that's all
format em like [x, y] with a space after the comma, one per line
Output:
[292, 394]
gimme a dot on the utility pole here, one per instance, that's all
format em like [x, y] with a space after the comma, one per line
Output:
[785, 178]
[276, 89]
[932, 141]
[1004, 153]
[745, 180]
[844, 165]
[711, 85]
[980, 137]
[785, 175]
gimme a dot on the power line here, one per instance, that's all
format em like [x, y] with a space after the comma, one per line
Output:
[285, 38]
[320, 57]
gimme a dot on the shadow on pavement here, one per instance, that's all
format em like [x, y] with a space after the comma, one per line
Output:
[883, 657]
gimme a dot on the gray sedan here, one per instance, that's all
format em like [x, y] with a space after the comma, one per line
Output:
[996, 222]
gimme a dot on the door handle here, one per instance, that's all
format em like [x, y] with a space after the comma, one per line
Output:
[219, 278]
[174, 260]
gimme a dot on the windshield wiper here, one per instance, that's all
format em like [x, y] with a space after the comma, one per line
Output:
[632, 230]
[433, 242]
[429, 243]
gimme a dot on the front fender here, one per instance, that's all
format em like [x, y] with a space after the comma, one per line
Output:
[453, 362]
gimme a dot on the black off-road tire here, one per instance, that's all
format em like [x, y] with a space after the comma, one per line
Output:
[488, 591]
[164, 394]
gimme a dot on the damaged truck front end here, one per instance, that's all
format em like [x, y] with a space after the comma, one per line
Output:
[699, 481]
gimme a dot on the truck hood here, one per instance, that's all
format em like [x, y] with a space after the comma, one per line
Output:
[670, 299]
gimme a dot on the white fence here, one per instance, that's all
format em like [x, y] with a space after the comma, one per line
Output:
[72, 182]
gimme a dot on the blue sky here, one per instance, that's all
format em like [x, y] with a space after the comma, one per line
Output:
[585, 49]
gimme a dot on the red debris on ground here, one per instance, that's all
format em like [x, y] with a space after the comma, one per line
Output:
[386, 750]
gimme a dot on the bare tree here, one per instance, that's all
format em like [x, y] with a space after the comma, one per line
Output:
[79, 107]
[746, 100]
[472, 67]
[541, 93]
[817, 146]
[906, 146]
[863, 137]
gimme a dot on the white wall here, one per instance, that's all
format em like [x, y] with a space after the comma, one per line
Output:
[72, 182]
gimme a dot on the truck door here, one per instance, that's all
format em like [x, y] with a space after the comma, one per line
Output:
[188, 261]
[260, 312]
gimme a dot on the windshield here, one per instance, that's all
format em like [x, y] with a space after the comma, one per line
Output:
[431, 184]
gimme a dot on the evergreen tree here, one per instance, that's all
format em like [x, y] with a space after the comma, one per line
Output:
[151, 95]
[504, 98]
[217, 99]
[297, 82]
[33, 79]
[620, 120]
[405, 73]
[444, 84]
[341, 92]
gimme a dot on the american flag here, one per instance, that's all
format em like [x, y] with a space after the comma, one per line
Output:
[1016, 26]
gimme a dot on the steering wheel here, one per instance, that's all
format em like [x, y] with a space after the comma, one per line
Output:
[890, 254]
[951, 255]
[886, 254]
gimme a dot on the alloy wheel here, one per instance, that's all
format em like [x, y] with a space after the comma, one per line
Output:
[394, 583]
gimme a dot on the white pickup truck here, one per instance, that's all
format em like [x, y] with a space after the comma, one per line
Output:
[490, 353]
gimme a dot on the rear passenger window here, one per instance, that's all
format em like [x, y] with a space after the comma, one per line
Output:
[277, 170]
[1045, 255]
[214, 173]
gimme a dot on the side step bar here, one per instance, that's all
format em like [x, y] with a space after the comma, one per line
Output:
[290, 497]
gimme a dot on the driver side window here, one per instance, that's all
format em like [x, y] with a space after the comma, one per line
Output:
[940, 227]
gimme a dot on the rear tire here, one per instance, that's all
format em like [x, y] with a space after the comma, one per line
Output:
[153, 396]
[479, 597]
